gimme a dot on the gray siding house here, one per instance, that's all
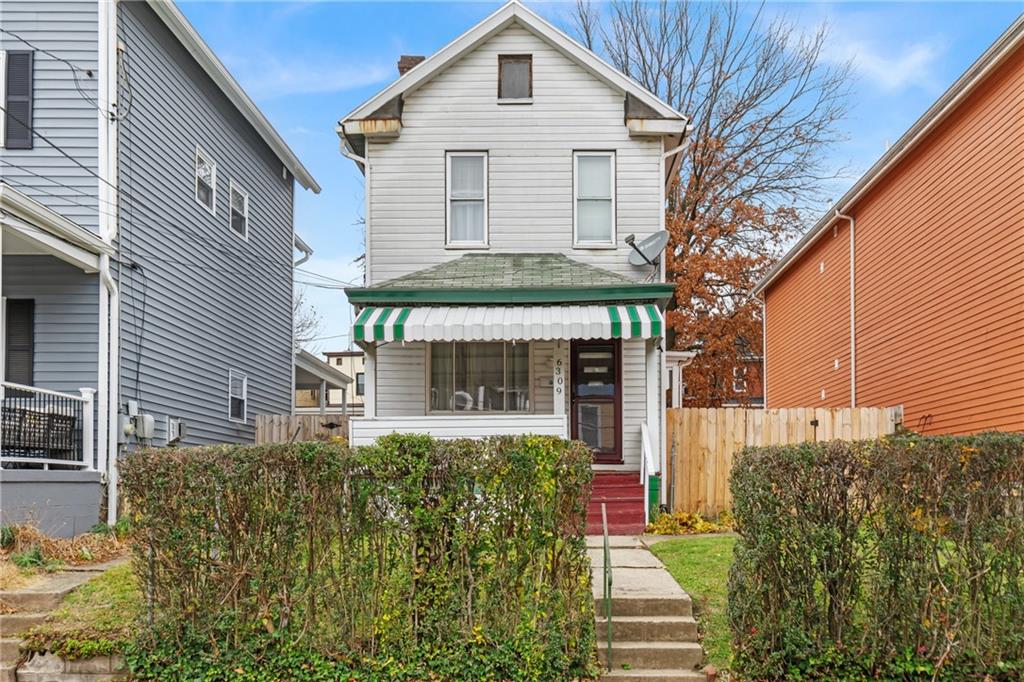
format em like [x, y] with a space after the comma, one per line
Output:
[148, 244]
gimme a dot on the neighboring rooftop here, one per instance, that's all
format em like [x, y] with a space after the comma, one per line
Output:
[510, 278]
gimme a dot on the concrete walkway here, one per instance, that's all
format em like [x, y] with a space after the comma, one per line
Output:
[654, 634]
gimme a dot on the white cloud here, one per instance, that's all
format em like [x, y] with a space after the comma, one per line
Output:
[265, 76]
[890, 71]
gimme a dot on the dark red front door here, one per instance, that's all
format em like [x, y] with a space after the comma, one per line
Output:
[596, 384]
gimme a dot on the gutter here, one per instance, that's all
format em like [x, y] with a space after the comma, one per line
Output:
[302, 246]
[993, 57]
[659, 293]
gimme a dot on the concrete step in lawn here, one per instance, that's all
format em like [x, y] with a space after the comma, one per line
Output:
[10, 650]
[12, 624]
[666, 675]
[48, 594]
[654, 655]
[648, 628]
[646, 606]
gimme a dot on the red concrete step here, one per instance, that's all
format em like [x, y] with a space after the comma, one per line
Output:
[615, 479]
[614, 505]
[618, 519]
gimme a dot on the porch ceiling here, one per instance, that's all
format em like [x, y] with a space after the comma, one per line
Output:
[508, 323]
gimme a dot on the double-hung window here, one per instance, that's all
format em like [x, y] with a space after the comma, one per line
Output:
[206, 180]
[238, 210]
[480, 377]
[594, 190]
[466, 186]
[238, 395]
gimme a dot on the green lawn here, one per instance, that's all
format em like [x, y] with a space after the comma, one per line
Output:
[700, 564]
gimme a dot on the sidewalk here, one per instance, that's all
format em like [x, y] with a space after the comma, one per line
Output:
[654, 634]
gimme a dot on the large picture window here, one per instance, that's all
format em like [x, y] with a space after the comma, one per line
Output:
[480, 377]
[467, 198]
[594, 188]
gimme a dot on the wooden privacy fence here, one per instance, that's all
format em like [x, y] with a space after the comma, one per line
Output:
[703, 441]
[284, 428]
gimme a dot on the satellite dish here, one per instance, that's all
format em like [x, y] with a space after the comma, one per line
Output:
[649, 249]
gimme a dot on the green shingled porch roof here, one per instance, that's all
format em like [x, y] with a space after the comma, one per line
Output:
[495, 278]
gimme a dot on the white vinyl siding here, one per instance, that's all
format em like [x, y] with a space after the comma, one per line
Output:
[529, 158]
[594, 199]
[466, 185]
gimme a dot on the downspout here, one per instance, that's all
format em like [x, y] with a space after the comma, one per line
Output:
[110, 305]
[764, 350]
[113, 381]
[853, 309]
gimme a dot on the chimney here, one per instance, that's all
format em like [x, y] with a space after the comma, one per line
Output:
[407, 61]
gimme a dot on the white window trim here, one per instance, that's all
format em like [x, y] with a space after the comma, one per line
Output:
[232, 188]
[232, 373]
[448, 202]
[3, 97]
[428, 356]
[596, 244]
[212, 208]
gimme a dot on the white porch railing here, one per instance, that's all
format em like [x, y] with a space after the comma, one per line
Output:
[40, 426]
[365, 430]
[648, 468]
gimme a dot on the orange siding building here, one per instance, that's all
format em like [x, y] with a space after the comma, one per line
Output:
[937, 271]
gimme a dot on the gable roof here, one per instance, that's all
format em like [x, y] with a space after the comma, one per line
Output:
[510, 278]
[1004, 46]
[512, 12]
[186, 34]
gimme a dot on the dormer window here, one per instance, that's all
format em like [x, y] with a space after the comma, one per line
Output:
[515, 78]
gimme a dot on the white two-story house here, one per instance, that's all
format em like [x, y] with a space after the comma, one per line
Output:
[505, 176]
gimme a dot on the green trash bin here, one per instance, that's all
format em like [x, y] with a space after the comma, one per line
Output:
[653, 496]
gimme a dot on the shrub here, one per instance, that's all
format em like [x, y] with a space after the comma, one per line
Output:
[410, 559]
[685, 523]
[901, 558]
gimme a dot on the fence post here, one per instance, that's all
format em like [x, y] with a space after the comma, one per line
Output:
[88, 423]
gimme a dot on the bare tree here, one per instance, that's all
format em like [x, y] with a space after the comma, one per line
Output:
[306, 320]
[764, 103]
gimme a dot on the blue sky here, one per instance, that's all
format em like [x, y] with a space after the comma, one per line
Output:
[306, 64]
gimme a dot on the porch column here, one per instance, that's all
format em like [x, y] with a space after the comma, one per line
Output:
[323, 397]
[655, 401]
[560, 367]
[370, 382]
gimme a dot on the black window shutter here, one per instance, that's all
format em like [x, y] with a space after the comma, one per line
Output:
[18, 107]
[20, 341]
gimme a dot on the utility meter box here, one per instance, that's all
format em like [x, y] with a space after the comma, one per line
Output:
[145, 426]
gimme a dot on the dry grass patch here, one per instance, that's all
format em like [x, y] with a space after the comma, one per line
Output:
[87, 548]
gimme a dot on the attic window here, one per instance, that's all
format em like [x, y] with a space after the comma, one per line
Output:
[515, 78]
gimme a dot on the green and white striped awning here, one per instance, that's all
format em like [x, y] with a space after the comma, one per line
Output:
[499, 323]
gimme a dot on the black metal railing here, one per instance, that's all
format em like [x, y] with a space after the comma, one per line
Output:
[42, 427]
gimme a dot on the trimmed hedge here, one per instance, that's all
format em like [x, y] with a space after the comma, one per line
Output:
[411, 559]
[901, 558]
